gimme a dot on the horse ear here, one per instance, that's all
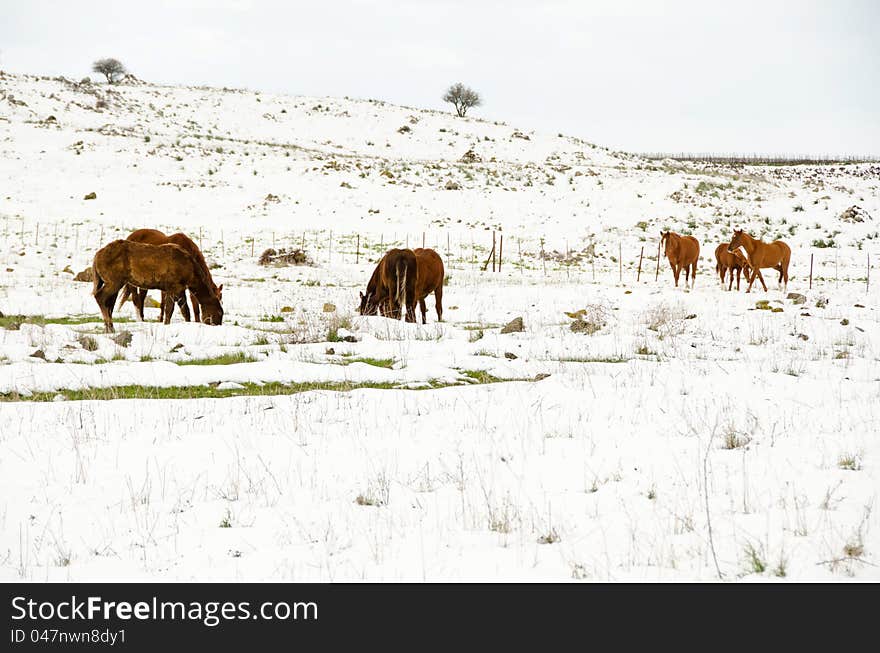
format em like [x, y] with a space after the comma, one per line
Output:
[361, 294]
[220, 288]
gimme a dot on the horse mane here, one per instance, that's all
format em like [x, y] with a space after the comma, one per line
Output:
[199, 258]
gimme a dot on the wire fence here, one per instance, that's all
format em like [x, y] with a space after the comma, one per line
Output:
[555, 258]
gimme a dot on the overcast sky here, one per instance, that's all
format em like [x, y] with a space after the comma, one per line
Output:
[801, 76]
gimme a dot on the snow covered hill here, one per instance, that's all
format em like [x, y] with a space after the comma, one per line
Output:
[631, 430]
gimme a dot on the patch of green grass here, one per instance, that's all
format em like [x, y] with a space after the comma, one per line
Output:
[271, 318]
[223, 359]
[376, 362]
[274, 388]
[13, 322]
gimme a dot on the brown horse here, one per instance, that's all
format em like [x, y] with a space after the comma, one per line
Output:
[734, 262]
[429, 279]
[776, 255]
[169, 268]
[392, 284]
[683, 253]
[139, 295]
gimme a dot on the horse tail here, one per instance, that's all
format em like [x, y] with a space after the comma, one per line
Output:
[400, 291]
[97, 281]
[126, 295]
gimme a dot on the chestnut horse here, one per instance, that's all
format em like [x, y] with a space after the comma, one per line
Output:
[776, 255]
[139, 295]
[169, 268]
[392, 284]
[732, 262]
[683, 253]
[429, 279]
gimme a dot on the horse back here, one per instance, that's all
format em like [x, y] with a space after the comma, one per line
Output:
[688, 250]
[429, 271]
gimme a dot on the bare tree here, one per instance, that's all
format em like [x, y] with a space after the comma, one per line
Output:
[111, 68]
[462, 98]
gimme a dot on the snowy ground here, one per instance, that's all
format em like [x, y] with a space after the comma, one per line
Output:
[692, 435]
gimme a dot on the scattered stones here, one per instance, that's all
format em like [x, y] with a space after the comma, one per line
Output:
[581, 325]
[859, 305]
[763, 304]
[406, 129]
[796, 298]
[541, 376]
[471, 157]
[286, 309]
[39, 354]
[67, 269]
[330, 351]
[855, 213]
[176, 348]
[844, 322]
[691, 316]
[514, 326]
[803, 336]
[91, 196]
[284, 257]
[777, 309]
[329, 308]
[123, 338]
[452, 185]
[822, 302]
[349, 339]
[509, 355]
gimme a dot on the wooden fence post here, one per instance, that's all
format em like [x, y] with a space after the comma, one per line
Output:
[657, 273]
[620, 259]
[493, 250]
[639, 273]
[811, 270]
[357, 253]
[500, 252]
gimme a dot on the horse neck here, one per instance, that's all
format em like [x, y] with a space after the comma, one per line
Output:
[748, 243]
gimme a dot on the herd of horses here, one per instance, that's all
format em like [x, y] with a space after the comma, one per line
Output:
[149, 259]
[683, 253]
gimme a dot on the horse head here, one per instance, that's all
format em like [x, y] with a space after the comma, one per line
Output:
[368, 306]
[736, 241]
[212, 311]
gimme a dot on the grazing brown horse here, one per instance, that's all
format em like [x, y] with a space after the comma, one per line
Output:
[734, 262]
[393, 284]
[776, 255]
[169, 268]
[429, 279]
[683, 253]
[139, 295]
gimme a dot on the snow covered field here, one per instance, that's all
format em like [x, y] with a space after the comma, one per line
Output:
[692, 435]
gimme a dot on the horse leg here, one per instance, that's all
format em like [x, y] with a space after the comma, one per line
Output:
[162, 310]
[721, 271]
[424, 310]
[438, 296]
[761, 277]
[694, 275]
[138, 297]
[197, 310]
[168, 306]
[675, 272]
[106, 298]
[184, 307]
[785, 274]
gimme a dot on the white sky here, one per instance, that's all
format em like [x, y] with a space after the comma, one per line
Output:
[776, 76]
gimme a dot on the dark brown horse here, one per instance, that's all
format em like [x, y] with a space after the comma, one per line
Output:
[429, 279]
[683, 253]
[776, 255]
[392, 285]
[139, 295]
[733, 262]
[168, 268]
